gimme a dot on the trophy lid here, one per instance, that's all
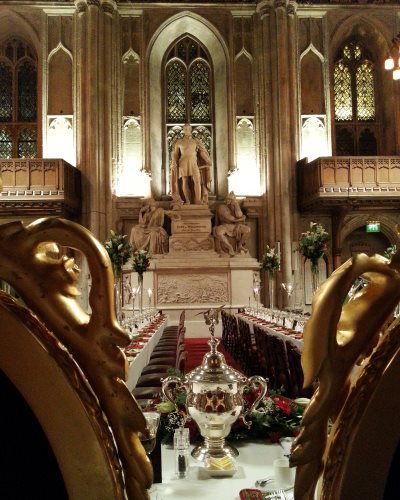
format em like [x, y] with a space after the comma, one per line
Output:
[214, 369]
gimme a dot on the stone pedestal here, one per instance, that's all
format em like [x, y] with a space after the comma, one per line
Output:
[191, 230]
[197, 281]
[193, 276]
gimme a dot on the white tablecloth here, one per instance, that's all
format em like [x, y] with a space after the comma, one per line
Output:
[254, 462]
[271, 331]
[142, 359]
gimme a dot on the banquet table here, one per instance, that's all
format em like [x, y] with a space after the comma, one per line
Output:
[254, 462]
[142, 358]
[276, 331]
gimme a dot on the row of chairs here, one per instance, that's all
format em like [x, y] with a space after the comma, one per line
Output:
[168, 353]
[262, 354]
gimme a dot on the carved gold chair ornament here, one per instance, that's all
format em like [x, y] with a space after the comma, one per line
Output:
[336, 338]
[47, 282]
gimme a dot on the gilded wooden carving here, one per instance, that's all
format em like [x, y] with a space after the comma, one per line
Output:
[336, 337]
[31, 263]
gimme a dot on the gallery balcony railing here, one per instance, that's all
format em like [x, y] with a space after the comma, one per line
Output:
[358, 182]
[40, 187]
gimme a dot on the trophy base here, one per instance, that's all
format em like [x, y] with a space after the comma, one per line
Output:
[202, 451]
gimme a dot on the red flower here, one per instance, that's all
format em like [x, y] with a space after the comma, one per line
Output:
[275, 437]
[193, 430]
[283, 406]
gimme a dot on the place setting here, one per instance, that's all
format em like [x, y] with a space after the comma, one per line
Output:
[279, 485]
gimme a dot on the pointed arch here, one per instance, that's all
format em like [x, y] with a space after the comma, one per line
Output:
[172, 29]
[14, 24]
[60, 81]
[59, 47]
[130, 56]
[245, 53]
[387, 226]
[311, 48]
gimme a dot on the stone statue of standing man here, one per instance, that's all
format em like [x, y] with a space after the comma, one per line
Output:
[190, 170]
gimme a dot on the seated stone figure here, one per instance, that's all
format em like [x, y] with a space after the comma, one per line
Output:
[149, 234]
[231, 232]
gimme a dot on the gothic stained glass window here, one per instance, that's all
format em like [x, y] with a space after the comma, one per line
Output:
[200, 92]
[18, 99]
[187, 83]
[27, 143]
[342, 91]
[6, 85]
[354, 99]
[188, 95]
[5, 145]
[365, 92]
[176, 92]
[26, 92]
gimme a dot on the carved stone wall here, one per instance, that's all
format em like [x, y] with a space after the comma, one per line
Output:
[196, 288]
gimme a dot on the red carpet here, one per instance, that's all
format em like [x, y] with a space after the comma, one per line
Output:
[196, 348]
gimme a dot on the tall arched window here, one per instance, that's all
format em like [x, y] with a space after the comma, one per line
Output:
[18, 100]
[188, 94]
[354, 101]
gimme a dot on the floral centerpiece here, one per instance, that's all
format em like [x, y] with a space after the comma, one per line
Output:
[271, 263]
[270, 260]
[119, 251]
[313, 244]
[141, 261]
[140, 264]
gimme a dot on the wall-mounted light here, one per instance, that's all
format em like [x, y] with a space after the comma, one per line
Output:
[392, 63]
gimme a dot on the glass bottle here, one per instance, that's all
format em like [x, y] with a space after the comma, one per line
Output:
[181, 448]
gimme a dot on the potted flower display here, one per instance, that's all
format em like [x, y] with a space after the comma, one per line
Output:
[140, 264]
[119, 250]
[313, 246]
[270, 263]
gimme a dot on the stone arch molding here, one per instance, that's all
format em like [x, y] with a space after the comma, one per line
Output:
[372, 26]
[245, 53]
[14, 24]
[187, 23]
[387, 226]
[312, 49]
[60, 47]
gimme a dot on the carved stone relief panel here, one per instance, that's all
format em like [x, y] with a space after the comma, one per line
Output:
[196, 288]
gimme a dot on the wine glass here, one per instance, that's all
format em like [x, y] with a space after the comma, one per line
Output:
[289, 289]
[149, 440]
[286, 445]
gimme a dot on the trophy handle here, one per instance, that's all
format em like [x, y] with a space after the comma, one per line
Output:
[168, 384]
[258, 382]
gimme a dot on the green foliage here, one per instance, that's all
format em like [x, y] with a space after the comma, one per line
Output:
[389, 252]
[119, 251]
[270, 260]
[313, 243]
[141, 261]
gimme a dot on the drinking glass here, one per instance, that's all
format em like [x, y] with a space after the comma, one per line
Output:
[149, 440]
[286, 445]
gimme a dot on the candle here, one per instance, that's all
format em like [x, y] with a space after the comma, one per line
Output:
[149, 293]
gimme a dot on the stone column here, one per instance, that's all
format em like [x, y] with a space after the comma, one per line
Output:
[94, 77]
[280, 110]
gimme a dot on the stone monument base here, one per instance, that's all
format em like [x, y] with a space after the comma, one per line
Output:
[197, 281]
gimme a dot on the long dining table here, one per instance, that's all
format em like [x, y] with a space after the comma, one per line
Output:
[141, 348]
[285, 334]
